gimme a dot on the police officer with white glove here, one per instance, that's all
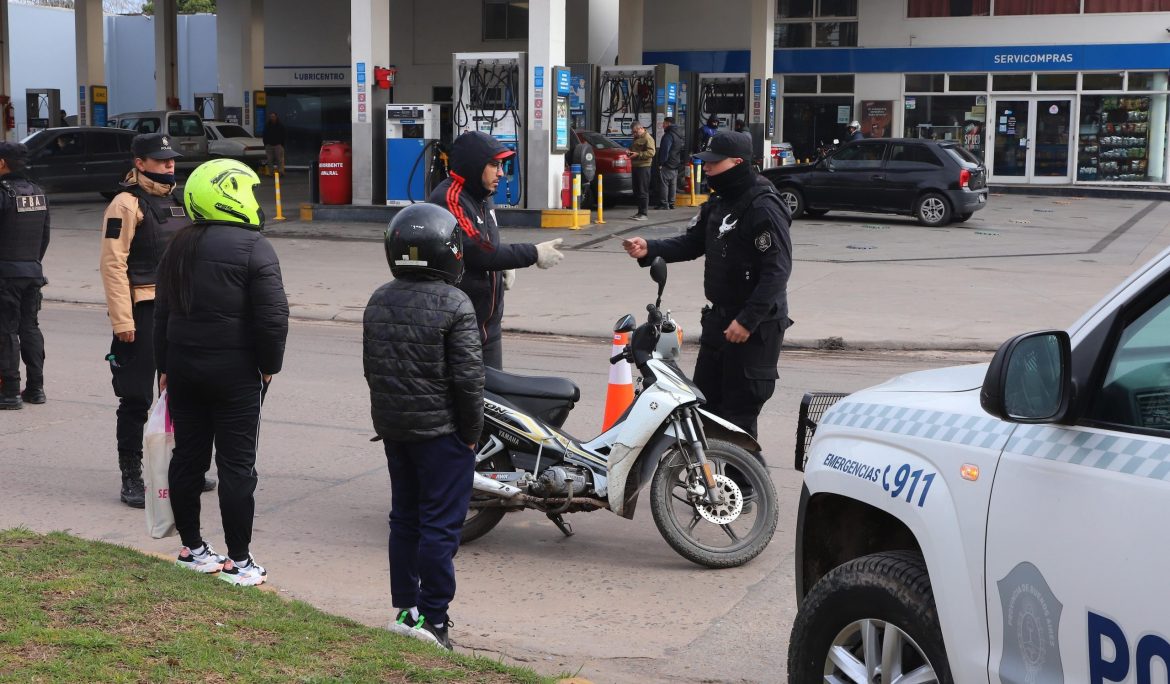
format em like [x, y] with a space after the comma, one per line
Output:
[477, 165]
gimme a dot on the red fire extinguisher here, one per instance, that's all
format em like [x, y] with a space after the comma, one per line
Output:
[687, 179]
[7, 114]
[567, 189]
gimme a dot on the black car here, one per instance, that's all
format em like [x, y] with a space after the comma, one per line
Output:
[79, 158]
[935, 181]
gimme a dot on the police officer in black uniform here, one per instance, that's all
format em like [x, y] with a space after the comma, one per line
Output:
[24, 238]
[743, 232]
[136, 228]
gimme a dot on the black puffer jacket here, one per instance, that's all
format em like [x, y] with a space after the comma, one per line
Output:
[423, 362]
[238, 301]
[464, 195]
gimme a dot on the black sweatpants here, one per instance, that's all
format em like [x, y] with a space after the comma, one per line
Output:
[493, 354]
[430, 488]
[132, 367]
[738, 379]
[641, 178]
[215, 398]
[20, 333]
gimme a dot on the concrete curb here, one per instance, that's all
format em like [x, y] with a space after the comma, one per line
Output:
[354, 317]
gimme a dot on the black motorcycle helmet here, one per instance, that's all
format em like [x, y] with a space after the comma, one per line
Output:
[425, 240]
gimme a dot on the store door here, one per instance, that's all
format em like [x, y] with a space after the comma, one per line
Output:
[1031, 141]
[810, 122]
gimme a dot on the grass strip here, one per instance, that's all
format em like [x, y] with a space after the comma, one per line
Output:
[81, 611]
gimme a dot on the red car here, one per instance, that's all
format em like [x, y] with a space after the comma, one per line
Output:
[612, 163]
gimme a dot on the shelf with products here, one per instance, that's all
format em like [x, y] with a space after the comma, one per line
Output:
[1114, 139]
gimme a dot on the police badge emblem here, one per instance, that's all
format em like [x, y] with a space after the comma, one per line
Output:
[764, 242]
[1031, 628]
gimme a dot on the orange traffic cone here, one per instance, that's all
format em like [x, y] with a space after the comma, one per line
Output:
[621, 384]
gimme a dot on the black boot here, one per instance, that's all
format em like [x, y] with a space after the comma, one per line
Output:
[10, 394]
[33, 395]
[209, 484]
[133, 490]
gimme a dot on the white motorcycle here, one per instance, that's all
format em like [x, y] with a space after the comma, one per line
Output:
[710, 494]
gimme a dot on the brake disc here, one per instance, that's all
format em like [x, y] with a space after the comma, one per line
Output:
[727, 511]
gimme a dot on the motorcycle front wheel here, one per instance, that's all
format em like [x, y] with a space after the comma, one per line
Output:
[723, 536]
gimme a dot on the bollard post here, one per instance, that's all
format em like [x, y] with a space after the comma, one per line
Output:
[600, 199]
[694, 180]
[279, 216]
[575, 169]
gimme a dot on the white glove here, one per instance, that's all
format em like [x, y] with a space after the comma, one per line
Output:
[547, 254]
[509, 278]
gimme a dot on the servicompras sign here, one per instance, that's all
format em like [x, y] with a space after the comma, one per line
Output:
[927, 59]
[307, 76]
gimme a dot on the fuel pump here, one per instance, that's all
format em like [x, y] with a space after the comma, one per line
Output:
[489, 90]
[42, 108]
[629, 94]
[210, 106]
[723, 96]
[412, 151]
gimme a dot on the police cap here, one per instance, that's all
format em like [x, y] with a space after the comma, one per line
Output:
[13, 151]
[153, 146]
[727, 144]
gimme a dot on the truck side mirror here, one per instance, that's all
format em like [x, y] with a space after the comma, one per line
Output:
[1030, 379]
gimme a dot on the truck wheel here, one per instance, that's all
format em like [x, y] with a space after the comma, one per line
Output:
[870, 620]
[723, 536]
[795, 201]
[480, 521]
[933, 210]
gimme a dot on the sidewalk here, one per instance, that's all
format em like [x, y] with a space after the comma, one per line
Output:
[1025, 263]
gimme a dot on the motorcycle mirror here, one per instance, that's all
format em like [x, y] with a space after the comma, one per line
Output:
[658, 275]
[625, 324]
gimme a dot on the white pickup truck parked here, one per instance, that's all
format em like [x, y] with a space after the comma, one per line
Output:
[996, 523]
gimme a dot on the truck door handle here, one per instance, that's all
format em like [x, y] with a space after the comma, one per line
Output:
[877, 176]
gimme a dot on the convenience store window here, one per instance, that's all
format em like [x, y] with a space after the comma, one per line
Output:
[947, 117]
[1122, 138]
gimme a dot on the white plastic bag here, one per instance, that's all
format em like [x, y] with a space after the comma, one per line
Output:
[157, 443]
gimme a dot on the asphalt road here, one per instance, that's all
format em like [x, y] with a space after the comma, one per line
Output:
[614, 602]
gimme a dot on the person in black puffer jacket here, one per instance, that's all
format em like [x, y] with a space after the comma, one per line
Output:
[221, 321]
[424, 366]
[476, 169]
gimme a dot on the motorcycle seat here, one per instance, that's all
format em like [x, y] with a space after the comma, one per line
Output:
[510, 385]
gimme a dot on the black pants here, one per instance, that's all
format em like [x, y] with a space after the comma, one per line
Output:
[641, 177]
[215, 398]
[738, 378]
[133, 372]
[493, 354]
[430, 486]
[20, 334]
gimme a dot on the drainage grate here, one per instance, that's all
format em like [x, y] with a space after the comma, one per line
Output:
[1023, 222]
[990, 233]
[860, 246]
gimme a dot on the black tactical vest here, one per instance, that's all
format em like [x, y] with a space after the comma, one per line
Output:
[162, 217]
[731, 267]
[22, 228]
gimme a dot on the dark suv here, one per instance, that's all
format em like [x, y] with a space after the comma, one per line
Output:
[935, 181]
[79, 159]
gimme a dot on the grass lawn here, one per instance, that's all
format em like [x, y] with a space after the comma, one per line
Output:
[79, 611]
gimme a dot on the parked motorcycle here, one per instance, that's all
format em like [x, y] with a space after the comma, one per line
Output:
[710, 494]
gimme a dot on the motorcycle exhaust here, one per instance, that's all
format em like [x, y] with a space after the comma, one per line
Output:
[489, 486]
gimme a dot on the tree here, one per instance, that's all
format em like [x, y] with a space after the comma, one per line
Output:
[185, 7]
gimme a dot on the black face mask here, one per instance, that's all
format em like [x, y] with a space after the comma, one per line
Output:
[164, 178]
[731, 179]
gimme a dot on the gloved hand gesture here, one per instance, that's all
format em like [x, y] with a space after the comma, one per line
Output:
[509, 278]
[547, 254]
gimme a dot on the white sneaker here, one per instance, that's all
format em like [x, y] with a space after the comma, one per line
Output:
[207, 561]
[248, 575]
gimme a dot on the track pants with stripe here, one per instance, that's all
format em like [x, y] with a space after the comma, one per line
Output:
[215, 398]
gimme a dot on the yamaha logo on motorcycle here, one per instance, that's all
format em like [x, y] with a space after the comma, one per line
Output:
[710, 494]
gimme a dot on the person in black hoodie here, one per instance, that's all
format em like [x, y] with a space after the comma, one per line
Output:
[221, 320]
[476, 169]
[421, 356]
[743, 233]
[24, 238]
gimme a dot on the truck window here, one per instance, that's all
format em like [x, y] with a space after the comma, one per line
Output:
[184, 125]
[1136, 389]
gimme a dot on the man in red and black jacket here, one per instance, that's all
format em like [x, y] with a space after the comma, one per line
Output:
[477, 161]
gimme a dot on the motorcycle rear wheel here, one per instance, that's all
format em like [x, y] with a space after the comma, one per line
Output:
[480, 521]
[676, 510]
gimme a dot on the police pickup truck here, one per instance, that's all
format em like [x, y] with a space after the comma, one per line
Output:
[996, 523]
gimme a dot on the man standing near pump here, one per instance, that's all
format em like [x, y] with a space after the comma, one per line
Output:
[742, 232]
[476, 169]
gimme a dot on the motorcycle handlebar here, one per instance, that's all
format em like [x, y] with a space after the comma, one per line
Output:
[613, 360]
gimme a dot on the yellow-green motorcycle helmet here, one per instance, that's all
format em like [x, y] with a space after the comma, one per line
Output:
[221, 191]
